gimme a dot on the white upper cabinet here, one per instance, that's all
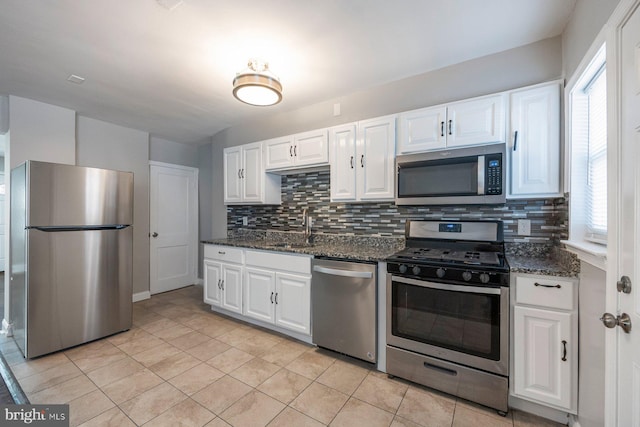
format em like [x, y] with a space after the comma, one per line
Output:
[362, 160]
[245, 181]
[464, 123]
[297, 151]
[534, 149]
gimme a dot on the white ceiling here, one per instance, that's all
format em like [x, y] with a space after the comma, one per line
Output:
[169, 72]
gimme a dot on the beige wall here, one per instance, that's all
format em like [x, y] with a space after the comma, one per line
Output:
[105, 145]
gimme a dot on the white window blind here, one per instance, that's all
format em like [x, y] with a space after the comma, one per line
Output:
[596, 200]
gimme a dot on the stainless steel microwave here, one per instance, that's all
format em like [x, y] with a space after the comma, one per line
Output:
[474, 175]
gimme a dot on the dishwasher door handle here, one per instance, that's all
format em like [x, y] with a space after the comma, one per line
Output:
[344, 273]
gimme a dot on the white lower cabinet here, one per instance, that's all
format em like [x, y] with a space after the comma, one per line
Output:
[223, 277]
[545, 341]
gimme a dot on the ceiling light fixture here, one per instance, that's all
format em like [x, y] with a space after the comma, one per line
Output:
[257, 85]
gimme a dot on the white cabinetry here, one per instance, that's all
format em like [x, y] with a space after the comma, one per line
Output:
[277, 290]
[534, 151]
[245, 180]
[297, 151]
[223, 277]
[362, 160]
[464, 123]
[545, 341]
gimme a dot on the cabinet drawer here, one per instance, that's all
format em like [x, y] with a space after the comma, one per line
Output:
[277, 261]
[548, 292]
[223, 253]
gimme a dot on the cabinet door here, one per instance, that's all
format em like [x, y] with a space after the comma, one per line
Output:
[342, 142]
[375, 159]
[232, 175]
[311, 148]
[478, 121]
[422, 130]
[293, 302]
[543, 355]
[232, 287]
[259, 294]
[212, 279]
[535, 150]
[278, 153]
[252, 173]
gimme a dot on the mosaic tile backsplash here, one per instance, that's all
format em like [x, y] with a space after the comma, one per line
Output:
[549, 217]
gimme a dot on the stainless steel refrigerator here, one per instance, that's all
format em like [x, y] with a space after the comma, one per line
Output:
[71, 255]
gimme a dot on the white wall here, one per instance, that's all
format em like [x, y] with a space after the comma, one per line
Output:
[105, 145]
[162, 150]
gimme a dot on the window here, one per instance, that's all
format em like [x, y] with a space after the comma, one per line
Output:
[588, 142]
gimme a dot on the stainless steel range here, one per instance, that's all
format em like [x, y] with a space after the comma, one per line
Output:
[448, 310]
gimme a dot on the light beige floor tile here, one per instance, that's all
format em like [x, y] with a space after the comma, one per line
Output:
[112, 418]
[255, 372]
[419, 405]
[88, 406]
[253, 410]
[49, 378]
[381, 392]
[403, 422]
[174, 332]
[217, 329]
[138, 345]
[320, 402]
[197, 378]
[131, 334]
[524, 419]
[236, 336]
[144, 317]
[13, 358]
[30, 367]
[488, 412]
[208, 349]
[115, 371]
[289, 417]
[218, 422]
[131, 386]
[187, 413]
[156, 354]
[152, 403]
[311, 364]
[190, 340]
[221, 394]
[284, 385]
[63, 392]
[95, 355]
[230, 360]
[464, 416]
[283, 353]
[174, 365]
[258, 345]
[343, 376]
[358, 412]
[198, 321]
[159, 325]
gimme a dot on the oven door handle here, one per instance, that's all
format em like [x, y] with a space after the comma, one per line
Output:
[447, 287]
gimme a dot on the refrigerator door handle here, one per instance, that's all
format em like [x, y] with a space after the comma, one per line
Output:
[58, 228]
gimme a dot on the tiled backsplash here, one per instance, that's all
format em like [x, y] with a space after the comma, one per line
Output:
[311, 190]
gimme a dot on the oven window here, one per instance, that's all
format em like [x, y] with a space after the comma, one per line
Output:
[452, 177]
[459, 321]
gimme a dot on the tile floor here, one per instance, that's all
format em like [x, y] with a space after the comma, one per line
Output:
[183, 365]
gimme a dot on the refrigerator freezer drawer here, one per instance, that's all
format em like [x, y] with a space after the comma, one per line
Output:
[79, 287]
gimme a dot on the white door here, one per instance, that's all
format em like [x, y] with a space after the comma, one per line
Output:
[293, 302]
[342, 143]
[212, 282]
[252, 172]
[375, 159]
[231, 285]
[232, 169]
[173, 225]
[259, 294]
[627, 261]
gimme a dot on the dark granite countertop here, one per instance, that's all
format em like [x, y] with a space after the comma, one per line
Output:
[542, 259]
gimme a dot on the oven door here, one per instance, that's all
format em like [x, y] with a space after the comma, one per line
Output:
[468, 325]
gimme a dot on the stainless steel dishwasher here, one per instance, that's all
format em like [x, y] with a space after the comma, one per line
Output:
[343, 307]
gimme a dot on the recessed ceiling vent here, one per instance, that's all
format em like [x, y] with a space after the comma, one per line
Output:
[170, 4]
[75, 79]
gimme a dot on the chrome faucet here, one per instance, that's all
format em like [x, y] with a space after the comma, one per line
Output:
[306, 223]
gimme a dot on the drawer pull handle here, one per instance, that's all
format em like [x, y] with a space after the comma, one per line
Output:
[271, 297]
[219, 280]
[276, 298]
[547, 286]
[564, 350]
[221, 252]
[440, 369]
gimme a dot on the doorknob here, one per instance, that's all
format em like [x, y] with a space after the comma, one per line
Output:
[611, 321]
[624, 285]
[154, 234]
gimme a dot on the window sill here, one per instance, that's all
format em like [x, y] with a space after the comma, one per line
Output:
[588, 252]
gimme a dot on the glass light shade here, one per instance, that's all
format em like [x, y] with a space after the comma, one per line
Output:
[259, 88]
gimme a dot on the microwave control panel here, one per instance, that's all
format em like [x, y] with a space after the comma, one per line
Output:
[493, 174]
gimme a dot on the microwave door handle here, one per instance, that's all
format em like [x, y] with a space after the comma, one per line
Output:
[481, 172]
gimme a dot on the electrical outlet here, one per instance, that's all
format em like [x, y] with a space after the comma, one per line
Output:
[336, 110]
[245, 220]
[524, 227]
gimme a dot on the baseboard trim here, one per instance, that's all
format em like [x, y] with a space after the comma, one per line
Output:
[6, 328]
[199, 281]
[141, 296]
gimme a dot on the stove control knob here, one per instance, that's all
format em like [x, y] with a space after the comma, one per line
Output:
[402, 268]
[415, 270]
[484, 277]
[440, 272]
[466, 276]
